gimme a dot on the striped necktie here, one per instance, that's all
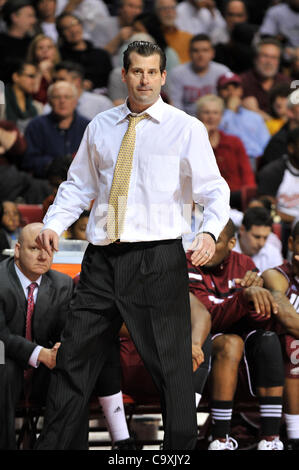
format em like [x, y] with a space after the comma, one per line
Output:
[30, 309]
[121, 180]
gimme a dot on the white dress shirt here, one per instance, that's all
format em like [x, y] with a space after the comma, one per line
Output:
[25, 283]
[195, 21]
[173, 164]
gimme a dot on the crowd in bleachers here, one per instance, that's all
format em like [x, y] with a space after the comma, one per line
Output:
[243, 52]
[233, 64]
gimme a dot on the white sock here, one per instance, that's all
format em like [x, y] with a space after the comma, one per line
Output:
[113, 410]
[197, 399]
[292, 423]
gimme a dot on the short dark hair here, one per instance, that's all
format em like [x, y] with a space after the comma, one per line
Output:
[17, 66]
[145, 49]
[72, 67]
[230, 229]
[60, 17]
[266, 41]
[293, 136]
[257, 216]
[281, 90]
[200, 37]
[12, 6]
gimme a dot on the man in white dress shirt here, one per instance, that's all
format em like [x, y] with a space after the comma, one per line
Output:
[138, 275]
[255, 239]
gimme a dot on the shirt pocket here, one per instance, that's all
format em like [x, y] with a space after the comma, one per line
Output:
[163, 172]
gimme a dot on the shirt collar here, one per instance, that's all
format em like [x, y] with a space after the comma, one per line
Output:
[155, 111]
[25, 282]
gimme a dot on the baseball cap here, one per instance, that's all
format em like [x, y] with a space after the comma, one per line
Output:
[227, 78]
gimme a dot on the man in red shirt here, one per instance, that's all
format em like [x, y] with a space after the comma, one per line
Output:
[230, 289]
[230, 153]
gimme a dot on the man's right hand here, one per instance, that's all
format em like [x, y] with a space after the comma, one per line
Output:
[48, 356]
[48, 240]
[262, 299]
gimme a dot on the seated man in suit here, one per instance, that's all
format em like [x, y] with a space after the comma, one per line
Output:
[28, 288]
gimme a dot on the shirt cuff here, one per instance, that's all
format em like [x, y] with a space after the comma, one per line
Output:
[55, 225]
[33, 362]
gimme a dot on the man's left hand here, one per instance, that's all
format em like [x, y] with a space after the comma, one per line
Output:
[203, 248]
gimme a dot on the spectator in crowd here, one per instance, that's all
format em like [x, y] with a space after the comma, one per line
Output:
[25, 346]
[282, 21]
[89, 12]
[89, 103]
[282, 281]
[230, 288]
[77, 231]
[278, 97]
[113, 31]
[176, 38]
[19, 17]
[10, 221]
[188, 82]
[44, 54]
[248, 125]
[75, 48]
[258, 81]
[18, 184]
[253, 239]
[231, 156]
[234, 44]
[235, 12]
[279, 180]
[277, 145]
[46, 15]
[199, 17]
[57, 134]
[20, 107]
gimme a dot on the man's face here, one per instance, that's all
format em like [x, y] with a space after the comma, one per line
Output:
[201, 53]
[11, 216]
[71, 29]
[24, 19]
[30, 259]
[210, 114]
[230, 90]
[267, 61]
[63, 100]
[235, 13]
[253, 240]
[26, 79]
[79, 229]
[166, 11]
[144, 81]
[224, 245]
[129, 10]
[293, 114]
[46, 9]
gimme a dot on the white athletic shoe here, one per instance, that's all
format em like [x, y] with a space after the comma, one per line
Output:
[229, 444]
[276, 444]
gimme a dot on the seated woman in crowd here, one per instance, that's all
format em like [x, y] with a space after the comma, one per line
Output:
[44, 54]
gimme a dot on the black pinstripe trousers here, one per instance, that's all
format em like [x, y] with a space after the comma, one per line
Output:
[146, 285]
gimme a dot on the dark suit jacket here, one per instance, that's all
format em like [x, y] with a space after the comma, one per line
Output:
[52, 304]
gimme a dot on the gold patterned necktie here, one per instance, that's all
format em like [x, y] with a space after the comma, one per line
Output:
[121, 180]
